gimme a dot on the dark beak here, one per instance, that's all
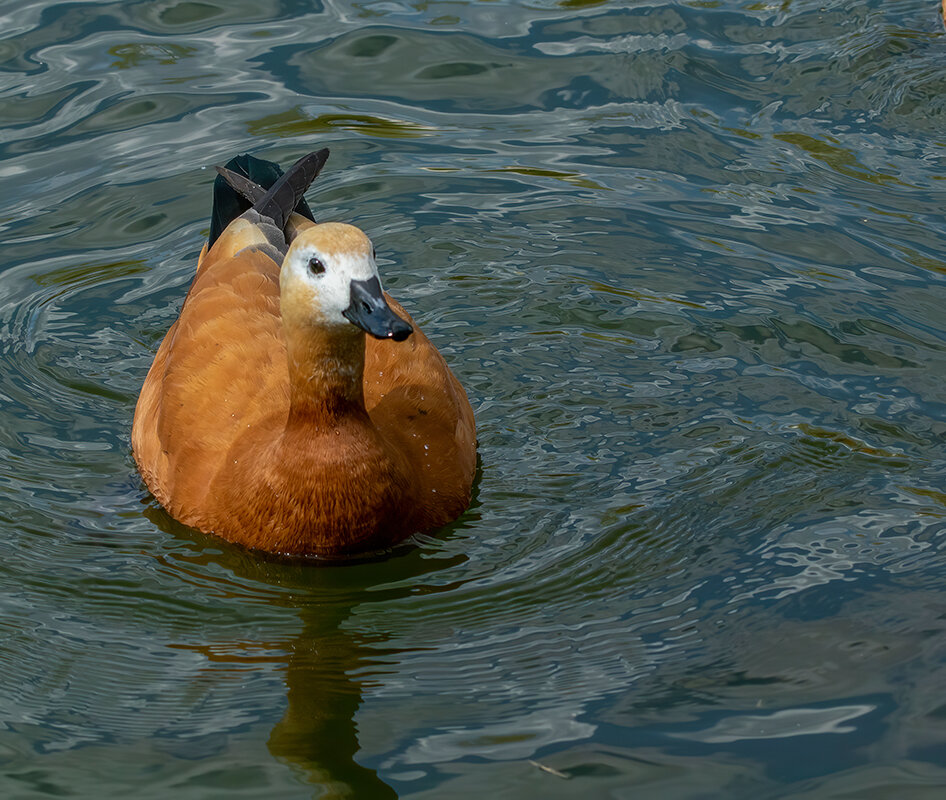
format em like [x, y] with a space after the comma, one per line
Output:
[369, 311]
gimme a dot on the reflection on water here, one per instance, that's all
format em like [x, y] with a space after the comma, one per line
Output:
[317, 736]
[687, 261]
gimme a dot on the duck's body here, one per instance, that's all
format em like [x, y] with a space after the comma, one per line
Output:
[269, 420]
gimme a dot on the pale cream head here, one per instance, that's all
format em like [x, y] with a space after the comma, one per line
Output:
[316, 275]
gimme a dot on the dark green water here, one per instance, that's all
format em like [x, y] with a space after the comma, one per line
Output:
[685, 258]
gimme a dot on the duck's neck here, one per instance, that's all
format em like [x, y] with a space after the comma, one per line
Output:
[326, 375]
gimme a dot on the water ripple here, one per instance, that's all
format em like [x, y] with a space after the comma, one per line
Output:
[686, 259]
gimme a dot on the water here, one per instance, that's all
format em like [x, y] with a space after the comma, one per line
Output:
[685, 258]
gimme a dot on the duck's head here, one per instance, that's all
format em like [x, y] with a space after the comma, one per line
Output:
[329, 278]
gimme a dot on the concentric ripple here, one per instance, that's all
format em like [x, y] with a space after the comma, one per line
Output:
[686, 259]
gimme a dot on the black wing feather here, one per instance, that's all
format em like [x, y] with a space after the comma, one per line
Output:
[229, 202]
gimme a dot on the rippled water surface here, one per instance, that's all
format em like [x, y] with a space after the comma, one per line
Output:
[686, 259]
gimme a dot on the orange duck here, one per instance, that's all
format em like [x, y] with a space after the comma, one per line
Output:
[268, 417]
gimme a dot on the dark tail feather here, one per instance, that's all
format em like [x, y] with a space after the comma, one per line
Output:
[249, 190]
[284, 195]
[229, 202]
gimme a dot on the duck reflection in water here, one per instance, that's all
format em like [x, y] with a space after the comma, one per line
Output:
[317, 737]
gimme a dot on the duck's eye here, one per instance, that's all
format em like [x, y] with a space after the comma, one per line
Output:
[316, 267]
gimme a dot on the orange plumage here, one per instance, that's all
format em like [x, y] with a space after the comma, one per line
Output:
[270, 420]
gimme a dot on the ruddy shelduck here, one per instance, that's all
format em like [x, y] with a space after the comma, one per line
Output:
[268, 417]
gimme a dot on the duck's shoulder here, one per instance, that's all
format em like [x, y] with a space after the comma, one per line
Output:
[414, 366]
[415, 400]
[230, 316]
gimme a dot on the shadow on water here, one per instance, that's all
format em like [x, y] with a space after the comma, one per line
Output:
[317, 737]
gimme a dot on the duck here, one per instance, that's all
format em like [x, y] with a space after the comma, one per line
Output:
[294, 407]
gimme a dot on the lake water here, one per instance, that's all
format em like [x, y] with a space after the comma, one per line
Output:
[687, 259]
